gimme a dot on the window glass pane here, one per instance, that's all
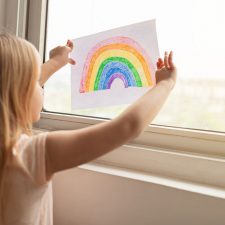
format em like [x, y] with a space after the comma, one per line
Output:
[193, 29]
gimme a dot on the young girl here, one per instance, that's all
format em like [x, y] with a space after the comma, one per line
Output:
[29, 162]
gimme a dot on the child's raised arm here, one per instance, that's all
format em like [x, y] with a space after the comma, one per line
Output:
[67, 149]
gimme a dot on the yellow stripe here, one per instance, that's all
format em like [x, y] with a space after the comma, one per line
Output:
[123, 47]
[117, 53]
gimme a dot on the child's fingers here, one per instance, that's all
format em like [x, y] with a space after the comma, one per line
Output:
[69, 44]
[166, 60]
[71, 61]
[159, 63]
[170, 61]
[160, 60]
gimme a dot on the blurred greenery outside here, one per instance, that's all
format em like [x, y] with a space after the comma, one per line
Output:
[195, 104]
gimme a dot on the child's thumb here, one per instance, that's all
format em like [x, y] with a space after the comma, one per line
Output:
[71, 61]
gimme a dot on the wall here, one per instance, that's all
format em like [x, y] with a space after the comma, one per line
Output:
[85, 197]
[2, 10]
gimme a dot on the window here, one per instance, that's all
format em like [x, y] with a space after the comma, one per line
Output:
[192, 29]
[192, 156]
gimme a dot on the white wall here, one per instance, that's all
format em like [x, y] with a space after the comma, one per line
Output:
[84, 197]
[2, 10]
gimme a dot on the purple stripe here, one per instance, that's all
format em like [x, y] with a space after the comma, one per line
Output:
[114, 76]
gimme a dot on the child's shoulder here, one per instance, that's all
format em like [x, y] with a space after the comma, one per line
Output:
[25, 142]
[29, 155]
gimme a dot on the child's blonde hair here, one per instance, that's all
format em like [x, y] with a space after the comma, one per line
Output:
[19, 71]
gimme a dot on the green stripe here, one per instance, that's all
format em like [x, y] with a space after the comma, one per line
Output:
[122, 60]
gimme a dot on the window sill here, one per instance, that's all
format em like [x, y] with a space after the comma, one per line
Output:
[195, 162]
[207, 190]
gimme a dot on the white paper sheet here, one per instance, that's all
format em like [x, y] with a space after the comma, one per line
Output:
[114, 67]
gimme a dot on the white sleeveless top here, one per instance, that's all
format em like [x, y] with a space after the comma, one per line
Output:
[27, 193]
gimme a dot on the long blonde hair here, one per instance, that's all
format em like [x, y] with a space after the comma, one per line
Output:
[18, 76]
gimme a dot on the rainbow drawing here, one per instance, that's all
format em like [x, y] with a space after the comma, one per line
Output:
[117, 57]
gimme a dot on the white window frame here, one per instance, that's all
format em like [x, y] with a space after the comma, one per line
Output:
[187, 159]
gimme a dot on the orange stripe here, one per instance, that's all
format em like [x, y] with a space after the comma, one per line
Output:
[121, 47]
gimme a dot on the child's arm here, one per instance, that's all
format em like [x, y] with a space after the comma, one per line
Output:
[58, 58]
[67, 149]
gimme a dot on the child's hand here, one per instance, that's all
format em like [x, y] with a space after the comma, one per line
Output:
[166, 69]
[60, 55]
